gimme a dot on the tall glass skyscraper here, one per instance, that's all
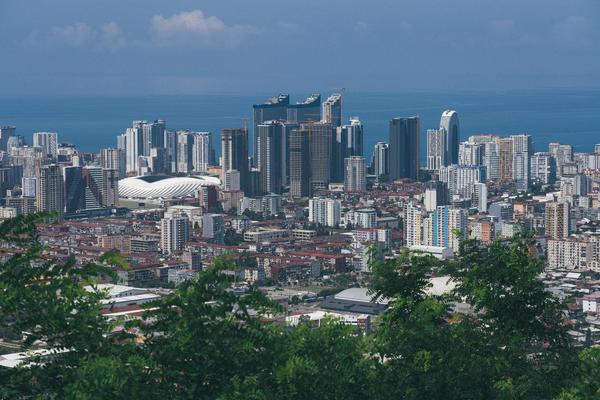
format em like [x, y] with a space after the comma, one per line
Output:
[269, 156]
[404, 148]
[449, 123]
[234, 153]
[299, 161]
[274, 109]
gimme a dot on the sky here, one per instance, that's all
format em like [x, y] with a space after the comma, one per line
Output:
[144, 47]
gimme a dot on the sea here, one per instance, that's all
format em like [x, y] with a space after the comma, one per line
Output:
[93, 122]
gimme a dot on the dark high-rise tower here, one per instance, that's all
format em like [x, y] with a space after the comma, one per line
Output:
[449, 123]
[404, 148]
[308, 110]
[299, 162]
[274, 109]
[269, 155]
[74, 189]
[234, 153]
[321, 140]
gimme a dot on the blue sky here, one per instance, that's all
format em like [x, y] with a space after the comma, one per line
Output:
[118, 47]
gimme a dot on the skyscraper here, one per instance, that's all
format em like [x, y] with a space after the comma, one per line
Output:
[185, 144]
[436, 149]
[202, 151]
[380, 160]
[563, 154]
[557, 219]
[114, 158]
[308, 110]
[50, 193]
[404, 148]
[92, 176]
[347, 141]
[268, 157]
[299, 161]
[133, 148]
[171, 147]
[48, 142]
[522, 150]
[355, 174]
[74, 189]
[274, 109]
[470, 153]
[6, 132]
[449, 123]
[332, 110]
[234, 150]
[153, 134]
[321, 141]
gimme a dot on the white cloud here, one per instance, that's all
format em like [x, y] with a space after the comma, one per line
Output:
[573, 30]
[195, 26]
[112, 36]
[75, 35]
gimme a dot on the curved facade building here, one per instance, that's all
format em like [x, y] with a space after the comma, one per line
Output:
[163, 187]
[449, 122]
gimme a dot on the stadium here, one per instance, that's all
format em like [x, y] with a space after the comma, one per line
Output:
[163, 187]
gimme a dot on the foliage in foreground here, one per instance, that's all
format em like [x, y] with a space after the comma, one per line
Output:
[204, 342]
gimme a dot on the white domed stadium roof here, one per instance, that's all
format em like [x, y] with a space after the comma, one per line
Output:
[163, 187]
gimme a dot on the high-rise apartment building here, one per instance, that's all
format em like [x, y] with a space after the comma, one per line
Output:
[563, 154]
[522, 150]
[134, 145]
[436, 149]
[404, 148]
[480, 197]
[234, 153]
[48, 142]
[380, 160]
[50, 192]
[543, 168]
[299, 162]
[449, 124]
[268, 156]
[470, 153]
[461, 178]
[202, 151]
[325, 211]
[355, 178]
[448, 227]
[321, 141]
[332, 110]
[114, 158]
[174, 232]
[557, 219]
[413, 225]
[436, 194]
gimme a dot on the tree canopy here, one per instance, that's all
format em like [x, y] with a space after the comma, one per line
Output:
[204, 341]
